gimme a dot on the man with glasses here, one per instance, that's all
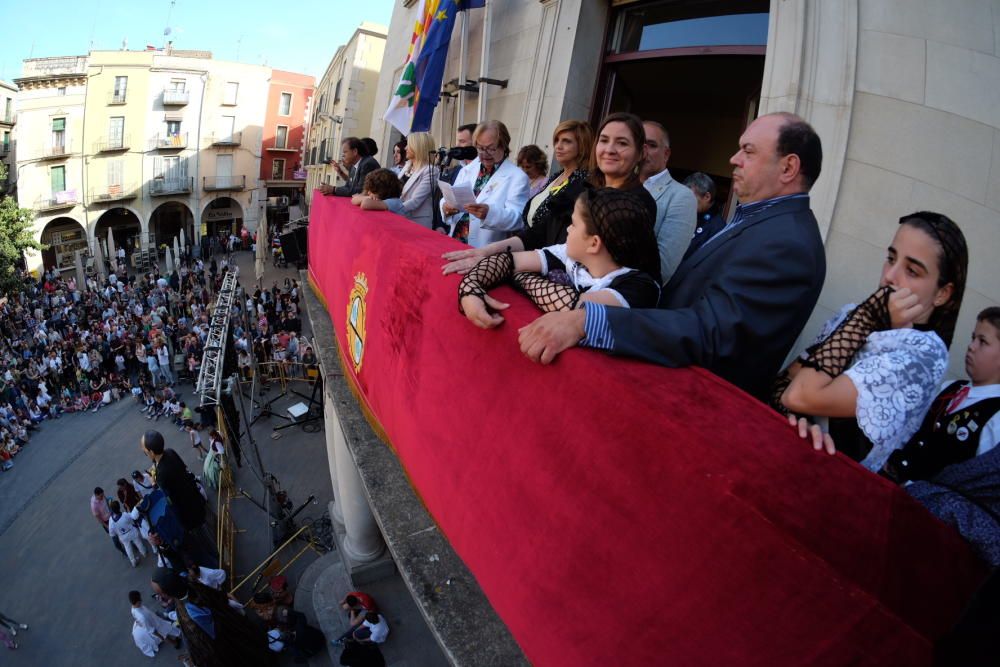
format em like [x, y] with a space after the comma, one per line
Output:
[500, 187]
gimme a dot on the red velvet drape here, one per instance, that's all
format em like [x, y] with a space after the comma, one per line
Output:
[619, 513]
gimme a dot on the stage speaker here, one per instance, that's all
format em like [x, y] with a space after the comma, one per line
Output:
[290, 247]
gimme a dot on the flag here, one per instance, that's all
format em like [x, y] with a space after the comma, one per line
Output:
[400, 111]
[429, 65]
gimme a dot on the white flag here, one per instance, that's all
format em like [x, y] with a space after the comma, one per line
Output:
[400, 111]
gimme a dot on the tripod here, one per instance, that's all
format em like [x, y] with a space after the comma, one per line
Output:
[311, 415]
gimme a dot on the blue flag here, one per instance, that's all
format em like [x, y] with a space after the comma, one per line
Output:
[429, 67]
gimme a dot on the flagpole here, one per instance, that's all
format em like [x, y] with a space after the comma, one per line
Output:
[463, 72]
[484, 65]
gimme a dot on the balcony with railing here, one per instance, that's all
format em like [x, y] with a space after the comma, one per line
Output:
[8, 118]
[112, 193]
[175, 98]
[4, 149]
[211, 184]
[162, 187]
[116, 98]
[58, 200]
[55, 152]
[112, 144]
[226, 139]
[166, 142]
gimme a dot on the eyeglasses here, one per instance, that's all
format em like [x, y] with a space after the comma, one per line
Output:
[487, 150]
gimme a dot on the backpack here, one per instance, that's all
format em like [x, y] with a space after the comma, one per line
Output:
[163, 518]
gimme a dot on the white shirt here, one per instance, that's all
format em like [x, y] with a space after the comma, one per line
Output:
[380, 630]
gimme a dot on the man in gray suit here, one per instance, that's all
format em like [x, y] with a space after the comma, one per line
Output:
[737, 304]
[676, 206]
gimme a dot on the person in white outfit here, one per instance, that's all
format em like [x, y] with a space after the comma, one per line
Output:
[124, 527]
[148, 629]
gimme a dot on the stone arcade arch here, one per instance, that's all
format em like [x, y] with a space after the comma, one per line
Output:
[62, 236]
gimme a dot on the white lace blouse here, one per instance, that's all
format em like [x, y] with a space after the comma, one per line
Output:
[897, 374]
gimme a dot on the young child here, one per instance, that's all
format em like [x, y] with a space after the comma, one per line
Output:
[610, 257]
[148, 629]
[963, 421]
[382, 191]
[196, 441]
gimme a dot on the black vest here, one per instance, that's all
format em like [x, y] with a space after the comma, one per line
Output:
[943, 439]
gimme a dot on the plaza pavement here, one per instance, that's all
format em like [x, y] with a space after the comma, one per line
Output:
[63, 576]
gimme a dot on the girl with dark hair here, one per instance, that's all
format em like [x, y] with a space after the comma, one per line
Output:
[876, 367]
[610, 257]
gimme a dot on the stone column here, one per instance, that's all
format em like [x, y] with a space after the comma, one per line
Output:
[331, 426]
[363, 541]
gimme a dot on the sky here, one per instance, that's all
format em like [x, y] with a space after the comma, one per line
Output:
[300, 36]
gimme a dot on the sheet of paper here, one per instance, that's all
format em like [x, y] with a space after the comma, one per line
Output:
[457, 196]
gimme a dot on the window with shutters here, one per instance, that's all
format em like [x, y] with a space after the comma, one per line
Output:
[285, 105]
[281, 137]
[116, 132]
[58, 135]
[278, 169]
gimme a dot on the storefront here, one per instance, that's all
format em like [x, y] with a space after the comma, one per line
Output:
[63, 237]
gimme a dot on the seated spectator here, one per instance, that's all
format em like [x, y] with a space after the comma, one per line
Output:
[962, 421]
[500, 188]
[710, 220]
[875, 367]
[535, 165]
[608, 256]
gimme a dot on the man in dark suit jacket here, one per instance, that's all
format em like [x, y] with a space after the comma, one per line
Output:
[355, 163]
[737, 304]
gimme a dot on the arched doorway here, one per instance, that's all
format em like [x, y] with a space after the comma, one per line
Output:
[167, 221]
[62, 237]
[222, 216]
[126, 229]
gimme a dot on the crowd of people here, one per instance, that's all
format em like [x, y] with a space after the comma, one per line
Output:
[621, 257]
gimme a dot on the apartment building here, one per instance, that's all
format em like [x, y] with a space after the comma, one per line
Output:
[147, 145]
[288, 101]
[8, 117]
[346, 95]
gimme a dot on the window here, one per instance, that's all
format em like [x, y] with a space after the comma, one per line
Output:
[223, 170]
[230, 93]
[61, 91]
[281, 137]
[227, 124]
[312, 155]
[116, 132]
[173, 128]
[57, 177]
[6, 142]
[670, 25]
[121, 83]
[336, 91]
[278, 169]
[285, 105]
[322, 151]
[58, 135]
[116, 172]
[177, 85]
[8, 110]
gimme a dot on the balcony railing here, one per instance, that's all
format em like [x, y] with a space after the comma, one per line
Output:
[116, 98]
[161, 187]
[166, 142]
[112, 145]
[175, 98]
[9, 118]
[62, 199]
[56, 152]
[112, 193]
[224, 183]
[4, 149]
[231, 139]
[284, 149]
